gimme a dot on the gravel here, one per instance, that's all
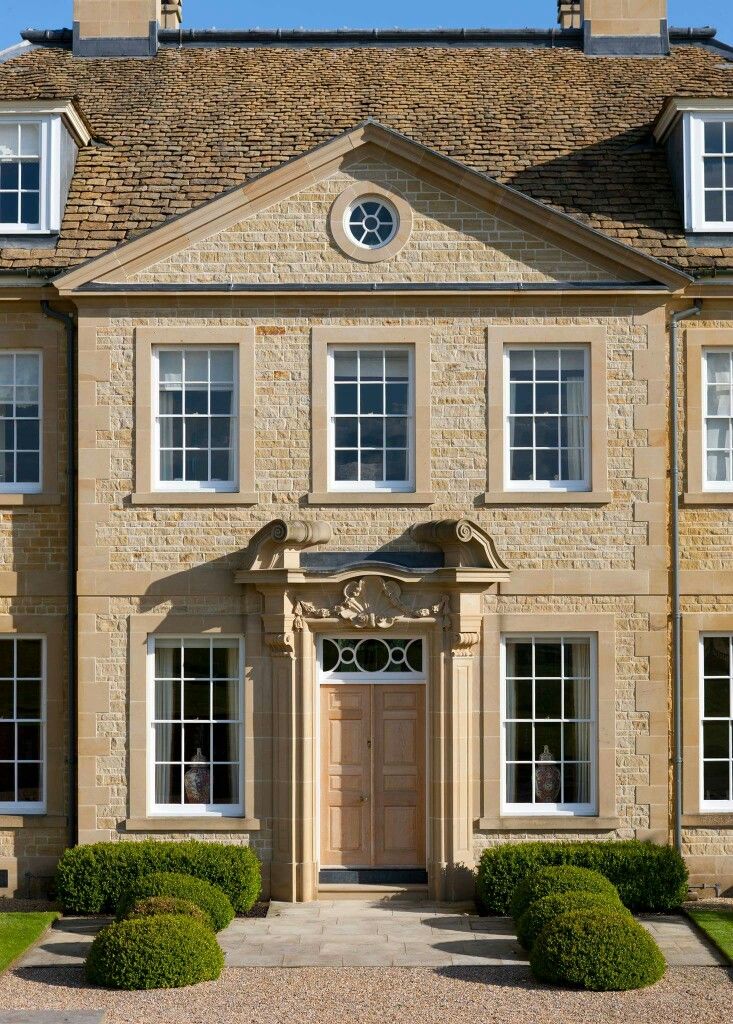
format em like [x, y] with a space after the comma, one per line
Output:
[460, 995]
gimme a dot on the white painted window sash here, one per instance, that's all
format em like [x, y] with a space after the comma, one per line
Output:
[713, 806]
[357, 486]
[537, 809]
[183, 809]
[50, 211]
[188, 486]
[546, 485]
[31, 806]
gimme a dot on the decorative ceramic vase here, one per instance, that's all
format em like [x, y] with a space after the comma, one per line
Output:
[547, 779]
[196, 779]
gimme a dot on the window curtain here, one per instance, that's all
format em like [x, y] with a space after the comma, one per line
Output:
[165, 710]
[575, 391]
[578, 688]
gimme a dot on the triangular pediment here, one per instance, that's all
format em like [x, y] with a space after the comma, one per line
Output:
[276, 231]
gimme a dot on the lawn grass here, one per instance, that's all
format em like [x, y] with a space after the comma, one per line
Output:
[19, 930]
[718, 926]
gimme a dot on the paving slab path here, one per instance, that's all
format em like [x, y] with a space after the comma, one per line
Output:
[363, 933]
[369, 933]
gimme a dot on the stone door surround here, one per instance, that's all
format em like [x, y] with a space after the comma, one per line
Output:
[441, 605]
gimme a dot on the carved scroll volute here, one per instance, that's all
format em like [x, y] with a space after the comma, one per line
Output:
[282, 645]
[465, 644]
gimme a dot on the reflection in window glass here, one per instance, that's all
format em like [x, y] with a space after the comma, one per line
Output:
[717, 721]
[20, 174]
[718, 171]
[197, 724]
[548, 416]
[371, 417]
[20, 421]
[22, 736]
[549, 726]
[197, 418]
[718, 414]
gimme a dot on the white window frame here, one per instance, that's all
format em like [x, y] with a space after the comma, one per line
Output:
[185, 810]
[37, 806]
[694, 148]
[188, 486]
[541, 809]
[562, 486]
[372, 486]
[712, 485]
[712, 806]
[30, 487]
[49, 176]
[354, 678]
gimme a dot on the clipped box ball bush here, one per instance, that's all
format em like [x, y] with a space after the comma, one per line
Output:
[92, 879]
[547, 909]
[214, 903]
[648, 877]
[166, 951]
[150, 906]
[596, 950]
[564, 878]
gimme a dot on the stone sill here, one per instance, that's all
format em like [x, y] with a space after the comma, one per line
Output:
[33, 821]
[548, 497]
[708, 498]
[194, 498]
[371, 498]
[548, 823]
[715, 819]
[195, 824]
[42, 498]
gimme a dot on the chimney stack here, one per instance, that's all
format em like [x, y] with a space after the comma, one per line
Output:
[628, 28]
[122, 28]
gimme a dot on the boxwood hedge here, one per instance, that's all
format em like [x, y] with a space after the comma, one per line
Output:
[545, 910]
[92, 879]
[152, 906]
[209, 898]
[559, 878]
[166, 951]
[597, 950]
[648, 877]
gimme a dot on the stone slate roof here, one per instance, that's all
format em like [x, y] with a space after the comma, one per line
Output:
[173, 131]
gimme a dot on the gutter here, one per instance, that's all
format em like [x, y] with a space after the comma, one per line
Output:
[675, 319]
[459, 37]
[71, 623]
[376, 288]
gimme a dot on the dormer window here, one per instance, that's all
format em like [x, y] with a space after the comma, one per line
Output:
[20, 175]
[38, 147]
[698, 135]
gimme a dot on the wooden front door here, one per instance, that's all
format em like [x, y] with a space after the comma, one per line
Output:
[373, 775]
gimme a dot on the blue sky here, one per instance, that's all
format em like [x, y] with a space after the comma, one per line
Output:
[20, 14]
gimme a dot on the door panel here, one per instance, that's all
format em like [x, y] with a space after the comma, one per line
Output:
[345, 776]
[399, 775]
[373, 776]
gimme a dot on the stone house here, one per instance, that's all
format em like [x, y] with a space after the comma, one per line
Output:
[367, 485]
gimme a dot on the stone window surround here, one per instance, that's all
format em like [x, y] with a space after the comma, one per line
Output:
[51, 629]
[47, 343]
[603, 627]
[500, 337]
[321, 339]
[147, 338]
[692, 626]
[364, 189]
[696, 340]
[142, 628]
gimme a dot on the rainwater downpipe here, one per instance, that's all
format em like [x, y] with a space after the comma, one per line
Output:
[675, 319]
[71, 468]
